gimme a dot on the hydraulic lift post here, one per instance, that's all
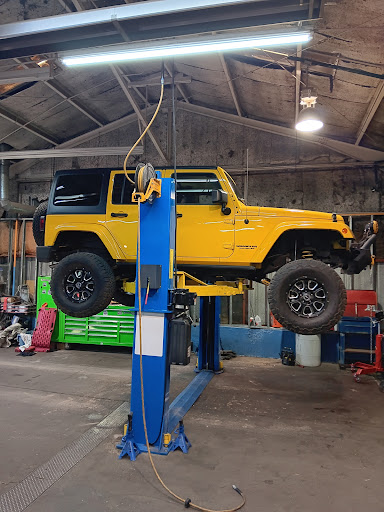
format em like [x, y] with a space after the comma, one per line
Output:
[164, 421]
[163, 298]
[209, 336]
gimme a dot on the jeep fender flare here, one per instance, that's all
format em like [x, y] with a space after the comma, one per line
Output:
[99, 230]
[268, 242]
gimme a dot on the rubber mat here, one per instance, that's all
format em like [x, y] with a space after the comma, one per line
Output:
[41, 337]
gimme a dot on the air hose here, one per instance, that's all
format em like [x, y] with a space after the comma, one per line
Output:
[186, 502]
[145, 131]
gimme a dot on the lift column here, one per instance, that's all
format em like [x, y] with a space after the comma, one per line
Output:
[165, 337]
[157, 240]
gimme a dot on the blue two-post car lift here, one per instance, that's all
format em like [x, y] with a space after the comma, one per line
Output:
[166, 328]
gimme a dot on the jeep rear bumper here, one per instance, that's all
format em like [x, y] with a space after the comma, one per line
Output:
[44, 253]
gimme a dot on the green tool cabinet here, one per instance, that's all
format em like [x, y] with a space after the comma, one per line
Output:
[113, 326]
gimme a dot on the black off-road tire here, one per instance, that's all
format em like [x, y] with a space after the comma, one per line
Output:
[41, 211]
[103, 284]
[287, 276]
[126, 299]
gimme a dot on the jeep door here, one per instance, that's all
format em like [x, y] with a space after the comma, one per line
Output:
[121, 213]
[204, 232]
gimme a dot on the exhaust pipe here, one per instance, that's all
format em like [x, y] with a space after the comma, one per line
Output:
[5, 203]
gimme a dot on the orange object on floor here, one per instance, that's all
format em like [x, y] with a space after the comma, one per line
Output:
[274, 322]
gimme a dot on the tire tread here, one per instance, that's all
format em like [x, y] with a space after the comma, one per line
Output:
[273, 297]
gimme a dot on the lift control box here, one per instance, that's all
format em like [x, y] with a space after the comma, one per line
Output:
[180, 340]
[150, 274]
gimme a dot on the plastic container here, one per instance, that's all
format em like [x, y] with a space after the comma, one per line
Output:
[308, 350]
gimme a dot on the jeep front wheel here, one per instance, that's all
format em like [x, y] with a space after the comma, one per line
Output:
[82, 284]
[307, 297]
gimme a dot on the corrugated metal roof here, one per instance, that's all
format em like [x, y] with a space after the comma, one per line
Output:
[350, 34]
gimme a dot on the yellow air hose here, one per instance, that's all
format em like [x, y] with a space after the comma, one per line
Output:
[144, 132]
[187, 502]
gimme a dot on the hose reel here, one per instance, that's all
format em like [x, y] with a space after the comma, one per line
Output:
[143, 175]
[147, 186]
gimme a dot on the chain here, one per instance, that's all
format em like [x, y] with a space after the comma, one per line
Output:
[371, 309]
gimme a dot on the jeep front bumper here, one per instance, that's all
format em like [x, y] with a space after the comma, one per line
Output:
[361, 254]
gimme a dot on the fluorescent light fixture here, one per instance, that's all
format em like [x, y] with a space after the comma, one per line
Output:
[309, 120]
[65, 153]
[151, 50]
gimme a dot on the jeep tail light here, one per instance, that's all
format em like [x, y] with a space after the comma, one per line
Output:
[42, 223]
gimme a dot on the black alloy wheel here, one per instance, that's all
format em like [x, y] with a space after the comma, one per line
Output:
[79, 285]
[307, 297]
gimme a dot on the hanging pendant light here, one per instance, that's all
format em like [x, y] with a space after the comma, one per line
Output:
[309, 119]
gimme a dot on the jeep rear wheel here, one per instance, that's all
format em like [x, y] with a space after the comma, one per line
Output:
[82, 284]
[307, 297]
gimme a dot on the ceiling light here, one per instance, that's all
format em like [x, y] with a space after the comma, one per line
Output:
[308, 119]
[181, 47]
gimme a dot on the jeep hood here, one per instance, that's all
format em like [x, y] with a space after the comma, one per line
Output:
[298, 214]
[289, 213]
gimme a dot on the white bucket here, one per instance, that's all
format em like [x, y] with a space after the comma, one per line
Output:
[308, 349]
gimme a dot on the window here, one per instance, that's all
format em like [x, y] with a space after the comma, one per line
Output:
[122, 189]
[78, 190]
[196, 187]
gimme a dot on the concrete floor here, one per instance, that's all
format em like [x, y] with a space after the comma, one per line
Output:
[292, 439]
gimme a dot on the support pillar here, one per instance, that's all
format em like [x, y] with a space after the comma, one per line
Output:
[209, 340]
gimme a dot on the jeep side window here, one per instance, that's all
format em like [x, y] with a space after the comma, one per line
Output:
[196, 187]
[122, 189]
[78, 190]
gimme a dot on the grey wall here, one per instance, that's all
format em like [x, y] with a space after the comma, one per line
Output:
[343, 190]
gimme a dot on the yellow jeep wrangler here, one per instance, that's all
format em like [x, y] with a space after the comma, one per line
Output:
[88, 230]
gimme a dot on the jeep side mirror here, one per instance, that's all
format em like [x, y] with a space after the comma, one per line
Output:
[219, 197]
